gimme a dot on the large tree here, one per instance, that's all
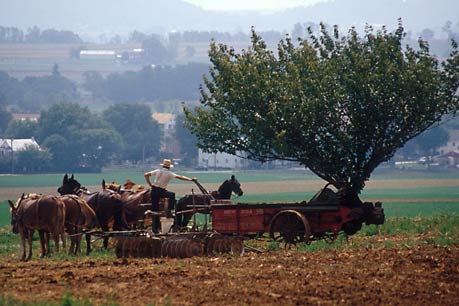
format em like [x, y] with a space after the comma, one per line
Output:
[77, 139]
[18, 128]
[139, 131]
[339, 105]
[186, 140]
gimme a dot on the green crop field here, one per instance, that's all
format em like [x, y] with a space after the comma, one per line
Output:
[404, 194]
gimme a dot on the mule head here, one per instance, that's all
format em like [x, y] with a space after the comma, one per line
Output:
[229, 187]
[69, 185]
[15, 215]
[113, 186]
[236, 186]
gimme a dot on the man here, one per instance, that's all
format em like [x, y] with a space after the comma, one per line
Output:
[159, 188]
[130, 185]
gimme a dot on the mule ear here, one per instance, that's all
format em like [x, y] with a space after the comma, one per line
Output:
[66, 178]
[11, 204]
[103, 184]
[22, 196]
[71, 177]
[233, 177]
[118, 190]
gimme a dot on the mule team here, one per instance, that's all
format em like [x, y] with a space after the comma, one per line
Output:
[76, 211]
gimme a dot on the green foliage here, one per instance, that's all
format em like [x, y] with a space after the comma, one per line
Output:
[155, 51]
[396, 232]
[66, 300]
[140, 133]
[338, 105]
[77, 138]
[5, 117]
[9, 242]
[94, 83]
[33, 159]
[189, 150]
[18, 128]
[148, 84]
[40, 92]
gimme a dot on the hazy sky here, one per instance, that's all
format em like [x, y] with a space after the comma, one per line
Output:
[259, 5]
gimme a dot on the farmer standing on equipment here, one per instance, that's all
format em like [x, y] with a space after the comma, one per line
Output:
[159, 188]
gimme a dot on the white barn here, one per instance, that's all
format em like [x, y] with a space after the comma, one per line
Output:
[220, 160]
[14, 145]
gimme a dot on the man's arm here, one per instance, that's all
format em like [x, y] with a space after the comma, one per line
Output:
[185, 178]
[147, 175]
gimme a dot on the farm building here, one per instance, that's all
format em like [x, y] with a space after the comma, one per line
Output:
[450, 159]
[97, 54]
[14, 145]
[452, 144]
[220, 160]
[167, 123]
[32, 117]
[132, 56]
[449, 153]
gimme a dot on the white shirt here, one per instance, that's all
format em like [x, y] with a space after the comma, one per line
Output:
[162, 177]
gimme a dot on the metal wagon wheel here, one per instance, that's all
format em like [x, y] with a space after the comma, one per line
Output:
[289, 226]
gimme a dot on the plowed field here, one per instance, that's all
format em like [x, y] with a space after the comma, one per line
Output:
[420, 275]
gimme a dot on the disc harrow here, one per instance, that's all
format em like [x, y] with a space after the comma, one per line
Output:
[178, 246]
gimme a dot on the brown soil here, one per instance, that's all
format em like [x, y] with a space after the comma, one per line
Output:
[421, 275]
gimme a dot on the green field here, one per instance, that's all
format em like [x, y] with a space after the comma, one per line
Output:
[409, 201]
[91, 179]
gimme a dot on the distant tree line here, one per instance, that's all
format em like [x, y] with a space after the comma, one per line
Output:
[73, 139]
[34, 35]
[35, 93]
[207, 36]
[149, 84]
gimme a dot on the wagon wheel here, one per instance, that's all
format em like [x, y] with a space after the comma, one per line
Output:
[290, 227]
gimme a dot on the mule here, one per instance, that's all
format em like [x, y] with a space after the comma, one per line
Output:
[106, 204]
[183, 214]
[38, 212]
[134, 212]
[79, 217]
[132, 200]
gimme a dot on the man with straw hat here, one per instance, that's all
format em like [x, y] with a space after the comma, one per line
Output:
[159, 190]
[128, 184]
[131, 186]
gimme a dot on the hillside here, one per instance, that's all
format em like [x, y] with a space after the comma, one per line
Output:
[91, 18]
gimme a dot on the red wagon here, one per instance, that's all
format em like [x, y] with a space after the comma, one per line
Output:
[323, 217]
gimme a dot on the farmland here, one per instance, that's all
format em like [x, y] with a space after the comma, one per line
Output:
[21, 60]
[412, 258]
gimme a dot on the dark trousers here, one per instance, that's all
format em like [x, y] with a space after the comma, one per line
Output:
[157, 193]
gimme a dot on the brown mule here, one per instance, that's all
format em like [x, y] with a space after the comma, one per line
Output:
[79, 217]
[38, 212]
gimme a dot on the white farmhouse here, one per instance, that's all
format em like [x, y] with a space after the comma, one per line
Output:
[452, 144]
[220, 160]
[7, 146]
[167, 123]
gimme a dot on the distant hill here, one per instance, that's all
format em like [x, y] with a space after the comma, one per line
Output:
[91, 18]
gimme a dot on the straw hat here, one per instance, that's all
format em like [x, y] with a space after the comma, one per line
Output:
[167, 163]
[128, 182]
